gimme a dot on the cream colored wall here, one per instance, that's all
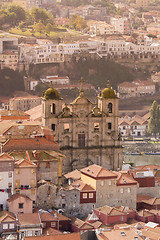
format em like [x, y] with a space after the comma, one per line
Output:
[88, 180]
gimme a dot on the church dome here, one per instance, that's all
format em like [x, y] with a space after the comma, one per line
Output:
[108, 92]
[51, 93]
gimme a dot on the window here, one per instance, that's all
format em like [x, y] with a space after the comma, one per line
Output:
[32, 191]
[90, 195]
[9, 185]
[84, 195]
[36, 233]
[17, 171]
[20, 205]
[11, 225]
[109, 126]
[110, 107]
[96, 127]
[53, 127]
[129, 190]
[53, 108]
[110, 183]
[81, 140]
[47, 164]
[96, 139]
[102, 183]
[66, 127]
[121, 190]
[5, 226]
[53, 224]
[10, 174]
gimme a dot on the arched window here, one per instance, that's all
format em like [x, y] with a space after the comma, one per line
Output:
[53, 108]
[110, 107]
[66, 141]
[96, 140]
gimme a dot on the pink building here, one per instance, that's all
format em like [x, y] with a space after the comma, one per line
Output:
[19, 203]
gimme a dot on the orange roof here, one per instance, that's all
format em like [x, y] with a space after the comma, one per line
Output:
[125, 179]
[112, 211]
[81, 186]
[60, 217]
[96, 171]
[74, 175]
[81, 224]
[145, 213]
[16, 196]
[5, 216]
[28, 218]
[6, 157]
[26, 143]
[24, 163]
[68, 236]
[152, 201]
[140, 198]
[46, 216]
[147, 167]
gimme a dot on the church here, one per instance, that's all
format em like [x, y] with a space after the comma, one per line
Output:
[86, 132]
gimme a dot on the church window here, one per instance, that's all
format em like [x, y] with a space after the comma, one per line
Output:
[53, 108]
[53, 127]
[96, 140]
[81, 140]
[66, 141]
[66, 127]
[109, 126]
[110, 107]
[96, 127]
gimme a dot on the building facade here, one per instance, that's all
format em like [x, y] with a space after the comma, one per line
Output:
[87, 132]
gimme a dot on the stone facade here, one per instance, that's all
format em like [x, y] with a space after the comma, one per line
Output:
[46, 195]
[87, 132]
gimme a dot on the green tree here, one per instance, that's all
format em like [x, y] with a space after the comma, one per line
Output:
[39, 27]
[49, 28]
[72, 20]
[19, 13]
[154, 123]
[80, 23]
[41, 15]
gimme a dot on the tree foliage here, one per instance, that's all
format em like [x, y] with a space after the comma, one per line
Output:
[77, 23]
[41, 15]
[10, 81]
[154, 124]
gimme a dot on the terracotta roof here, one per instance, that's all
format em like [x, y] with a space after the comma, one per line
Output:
[16, 196]
[144, 213]
[31, 143]
[24, 163]
[118, 234]
[147, 167]
[152, 201]
[13, 113]
[7, 216]
[46, 216]
[125, 179]
[51, 231]
[35, 113]
[81, 186]
[96, 171]
[74, 175]
[140, 198]
[60, 217]
[6, 157]
[111, 211]
[81, 224]
[68, 236]
[28, 218]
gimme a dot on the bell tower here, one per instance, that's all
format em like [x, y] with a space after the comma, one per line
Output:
[51, 108]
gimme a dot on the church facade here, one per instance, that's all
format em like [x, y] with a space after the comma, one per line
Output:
[87, 132]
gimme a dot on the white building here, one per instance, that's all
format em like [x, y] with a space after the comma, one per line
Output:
[55, 79]
[121, 25]
[6, 178]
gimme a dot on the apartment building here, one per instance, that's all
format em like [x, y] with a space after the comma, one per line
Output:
[24, 103]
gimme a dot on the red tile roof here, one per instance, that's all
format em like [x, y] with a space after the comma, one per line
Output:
[68, 236]
[28, 218]
[99, 172]
[16, 196]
